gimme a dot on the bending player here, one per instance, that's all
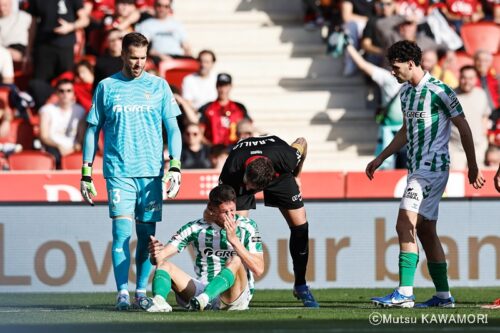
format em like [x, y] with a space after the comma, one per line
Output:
[269, 164]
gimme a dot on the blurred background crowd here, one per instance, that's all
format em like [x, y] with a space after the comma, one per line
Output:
[54, 52]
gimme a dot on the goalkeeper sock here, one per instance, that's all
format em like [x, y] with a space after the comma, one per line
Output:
[120, 252]
[439, 274]
[162, 283]
[142, 263]
[222, 282]
[407, 266]
[299, 250]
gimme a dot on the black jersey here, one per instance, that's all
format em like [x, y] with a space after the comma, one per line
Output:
[284, 157]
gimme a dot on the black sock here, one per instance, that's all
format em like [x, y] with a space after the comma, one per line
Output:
[299, 249]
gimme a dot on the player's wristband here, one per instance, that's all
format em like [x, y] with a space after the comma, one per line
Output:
[87, 173]
[175, 165]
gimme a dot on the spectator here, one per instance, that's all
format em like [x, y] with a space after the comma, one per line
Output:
[98, 9]
[220, 117]
[14, 26]
[407, 29]
[52, 35]
[195, 154]
[189, 114]
[458, 12]
[431, 65]
[6, 147]
[476, 109]
[166, 35]
[493, 156]
[61, 124]
[488, 79]
[199, 88]
[126, 15]
[111, 61]
[218, 156]
[6, 67]
[313, 16]
[415, 9]
[371, 42]
[245, 129]
[390, 114]
[355, 14]
[84, 80]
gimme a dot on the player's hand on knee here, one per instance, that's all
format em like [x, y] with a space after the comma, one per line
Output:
[87, 188]
[172, 179]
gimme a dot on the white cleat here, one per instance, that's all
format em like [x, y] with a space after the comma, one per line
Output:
[156, 304]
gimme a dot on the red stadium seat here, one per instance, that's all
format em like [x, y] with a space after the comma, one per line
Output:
[74, 162]
[175, 70]
[21, 131]
[481, 35]
[32, 160]
[461, 59]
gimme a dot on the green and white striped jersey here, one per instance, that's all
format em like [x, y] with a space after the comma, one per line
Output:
[211, 247]
[427, 109]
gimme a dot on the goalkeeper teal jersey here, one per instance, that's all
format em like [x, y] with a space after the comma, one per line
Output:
[211, 247]
[130, 113]
[427, 109]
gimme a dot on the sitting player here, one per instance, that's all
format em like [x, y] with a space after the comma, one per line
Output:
[228, 252]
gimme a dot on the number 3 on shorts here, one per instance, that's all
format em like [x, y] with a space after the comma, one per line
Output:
[114, 194]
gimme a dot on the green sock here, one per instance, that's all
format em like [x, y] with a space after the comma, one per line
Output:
[407, 266]
[162, 283]
[222, 282]
[439, 274]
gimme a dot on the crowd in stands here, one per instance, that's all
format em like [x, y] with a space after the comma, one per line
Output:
[54, 52]
[460, 40]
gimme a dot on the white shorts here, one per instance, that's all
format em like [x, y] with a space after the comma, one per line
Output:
[424, 190]
[241, 303]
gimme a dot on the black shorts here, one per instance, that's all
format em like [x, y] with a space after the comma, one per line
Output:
[283, 192]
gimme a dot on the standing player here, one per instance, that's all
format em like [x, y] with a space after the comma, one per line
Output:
[228, 252]
[129, 107]
[269, 164]
[429, 107]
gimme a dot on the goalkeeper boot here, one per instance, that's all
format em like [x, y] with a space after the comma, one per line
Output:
[394, 299]
[436, 302]
[155, 304]
[304, 294]
[122, 302]
[199, 303]
[139, 297]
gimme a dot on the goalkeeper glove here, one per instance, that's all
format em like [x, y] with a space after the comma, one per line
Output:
[172, 179]
[87, 188]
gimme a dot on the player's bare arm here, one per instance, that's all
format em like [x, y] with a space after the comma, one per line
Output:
[253, 261]
[475, 176]
[396, 144]
[301, 145]
[159, 252]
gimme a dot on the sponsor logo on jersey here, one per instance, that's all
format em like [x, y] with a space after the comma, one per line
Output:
[219, 253]
[453, 101]
[132, 108]
[256, 152]
[416, 114]
[297, 197]
[256, 239]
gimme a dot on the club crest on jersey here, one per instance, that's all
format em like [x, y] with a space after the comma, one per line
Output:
[219, 253]
[147, 95]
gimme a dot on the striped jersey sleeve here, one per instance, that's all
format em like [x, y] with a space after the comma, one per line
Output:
[185, 235]
[250, 236]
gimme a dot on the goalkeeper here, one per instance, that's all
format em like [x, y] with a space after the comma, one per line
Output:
[228, 251]
[130, 107]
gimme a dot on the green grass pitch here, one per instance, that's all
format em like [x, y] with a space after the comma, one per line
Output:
[342, 310]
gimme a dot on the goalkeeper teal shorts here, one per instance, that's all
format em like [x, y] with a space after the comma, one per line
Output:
[140, 198]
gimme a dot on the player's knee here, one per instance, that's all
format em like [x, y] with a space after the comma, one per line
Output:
[234, 263]
[166, 266]
[405, 229]
[426, 232]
